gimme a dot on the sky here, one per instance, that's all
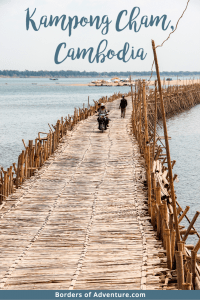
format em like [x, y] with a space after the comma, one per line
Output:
[22, 49]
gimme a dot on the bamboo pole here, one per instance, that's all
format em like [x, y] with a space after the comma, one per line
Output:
[158, 202]
[193, 266]
[134, 110]
[173, 241]
[18, 170]
[11, 180]
[153, 200]
[140, 120]
[168, 248]
[1, 187]
[61, 127]
[197, 247]
[145, 113]
[165, 212]
[167, 146]
[22, 167]
[171, 221]
[190, 226]
[26, 163]
[189, 278]
[8, 181]
[180, 271]
[155, 119]
[31, 157]
[183, 214]
[149, 177]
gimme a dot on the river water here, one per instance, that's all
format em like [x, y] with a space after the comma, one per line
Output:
[184, 130]
[27, 105]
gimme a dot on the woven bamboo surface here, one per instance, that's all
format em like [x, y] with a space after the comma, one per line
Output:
[81, 222]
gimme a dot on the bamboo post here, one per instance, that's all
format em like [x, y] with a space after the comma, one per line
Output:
[30, 156]
[134, 111]
[50, 143]
[1, 189]
[167, 146]
[26, 163]
[165, 211]
[189, 278]
[168, 248]
[149, 178]
[153, 200]
[183, 214]
[58, 132]
[137, 113]
[18, 171]
[7, 182]
[140, 119]
[193, 266]
[158, 202]
[3, 185]
[155, 119]
[181, 246]
[197, 247]
[45, 151]
[53, 142]
[41, 153]
[132, 96]
[11, 181]
[173, 242]
[62, 126]
[180, 271]
[135, 107]
[190, 226]
[36, 153]
[145, 114]
[22, 167]
[162, 223]
[171, 222]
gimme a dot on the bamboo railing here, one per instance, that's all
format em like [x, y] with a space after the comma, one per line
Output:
[149, 108]
[35, 154]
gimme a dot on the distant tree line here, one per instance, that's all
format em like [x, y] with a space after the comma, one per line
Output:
[69, 73]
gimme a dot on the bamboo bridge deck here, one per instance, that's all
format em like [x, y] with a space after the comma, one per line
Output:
[81, 222]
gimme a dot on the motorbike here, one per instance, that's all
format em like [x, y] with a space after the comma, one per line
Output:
[103, 121]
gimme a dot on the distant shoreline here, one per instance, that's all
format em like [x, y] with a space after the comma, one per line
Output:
[93, 74]
[151, 83]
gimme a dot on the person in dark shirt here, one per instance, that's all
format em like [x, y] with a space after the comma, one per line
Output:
[123, 105]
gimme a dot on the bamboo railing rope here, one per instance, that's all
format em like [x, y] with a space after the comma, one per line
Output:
[159, 196]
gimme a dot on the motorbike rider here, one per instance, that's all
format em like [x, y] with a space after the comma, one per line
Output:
[102, 110]
[123, 105]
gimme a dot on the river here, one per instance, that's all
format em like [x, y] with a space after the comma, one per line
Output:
[184, 130]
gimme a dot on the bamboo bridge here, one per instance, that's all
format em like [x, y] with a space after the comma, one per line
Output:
[81, 222]
[89, 210]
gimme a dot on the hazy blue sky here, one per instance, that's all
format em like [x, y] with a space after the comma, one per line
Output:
[21, 49]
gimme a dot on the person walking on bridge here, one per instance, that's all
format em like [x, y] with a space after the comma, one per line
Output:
[123, 105]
